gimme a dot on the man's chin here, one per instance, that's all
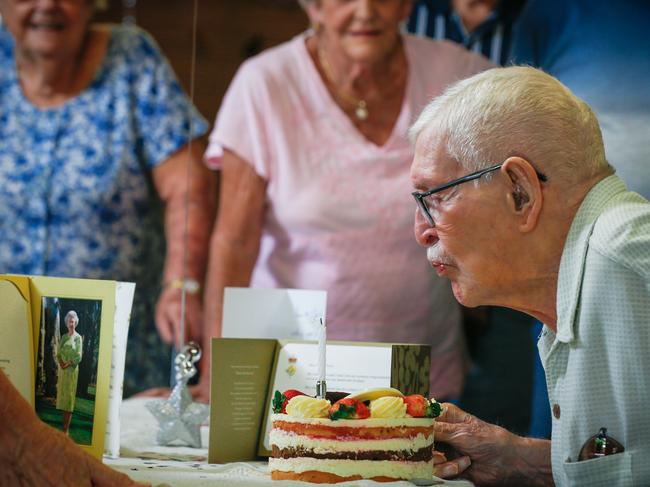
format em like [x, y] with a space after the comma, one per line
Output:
[461, 296]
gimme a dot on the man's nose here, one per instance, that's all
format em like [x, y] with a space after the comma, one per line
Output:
[425, 234]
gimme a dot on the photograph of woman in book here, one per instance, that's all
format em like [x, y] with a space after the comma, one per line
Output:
[66, 374]
[68, 357]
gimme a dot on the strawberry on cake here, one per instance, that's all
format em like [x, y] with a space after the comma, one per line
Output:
[378, 434]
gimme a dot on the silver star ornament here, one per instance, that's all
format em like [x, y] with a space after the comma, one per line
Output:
[179, 417]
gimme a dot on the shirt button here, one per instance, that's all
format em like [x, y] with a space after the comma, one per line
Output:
[556, 411]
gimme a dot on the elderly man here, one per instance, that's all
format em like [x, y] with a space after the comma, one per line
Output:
[518, 207]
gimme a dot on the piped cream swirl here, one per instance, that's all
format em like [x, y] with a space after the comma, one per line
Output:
[388, 407]
[308, 407]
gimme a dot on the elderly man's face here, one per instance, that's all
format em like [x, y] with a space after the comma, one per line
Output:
[469, 243]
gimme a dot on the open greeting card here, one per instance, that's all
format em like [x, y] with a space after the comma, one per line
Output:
[246, 372]
[63, 345]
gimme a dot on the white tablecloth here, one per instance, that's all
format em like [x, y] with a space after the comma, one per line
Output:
[164, 466]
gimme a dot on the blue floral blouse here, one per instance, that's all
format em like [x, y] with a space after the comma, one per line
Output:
[76, 194]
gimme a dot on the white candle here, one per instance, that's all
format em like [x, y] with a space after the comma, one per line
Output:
[322, 339]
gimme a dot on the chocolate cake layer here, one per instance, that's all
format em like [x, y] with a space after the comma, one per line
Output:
[421, 455]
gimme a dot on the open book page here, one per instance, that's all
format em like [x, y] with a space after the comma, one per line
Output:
[16, 353]
[124, 292]
[273, 313]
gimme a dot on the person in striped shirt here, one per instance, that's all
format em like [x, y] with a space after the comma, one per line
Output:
[482, 26]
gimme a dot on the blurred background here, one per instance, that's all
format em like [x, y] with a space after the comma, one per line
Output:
[228, 32]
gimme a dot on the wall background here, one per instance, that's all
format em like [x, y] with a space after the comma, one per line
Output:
[228, 32]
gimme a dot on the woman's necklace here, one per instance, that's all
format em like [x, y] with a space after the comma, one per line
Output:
[361, 107]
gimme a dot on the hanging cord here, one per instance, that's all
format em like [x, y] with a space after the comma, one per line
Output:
[181, 335]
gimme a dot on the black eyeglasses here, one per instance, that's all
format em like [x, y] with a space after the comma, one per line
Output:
[421, 195]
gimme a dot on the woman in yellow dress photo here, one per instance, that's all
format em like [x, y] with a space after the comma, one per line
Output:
[68, 357]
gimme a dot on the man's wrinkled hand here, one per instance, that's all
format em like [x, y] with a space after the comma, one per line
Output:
[51, 458]
[473, 449]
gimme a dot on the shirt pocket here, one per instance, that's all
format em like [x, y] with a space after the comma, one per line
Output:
[607, 471]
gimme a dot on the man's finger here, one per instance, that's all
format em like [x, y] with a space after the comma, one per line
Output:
[438, 457]
[446, 432]
[452, 468]
[453, 414]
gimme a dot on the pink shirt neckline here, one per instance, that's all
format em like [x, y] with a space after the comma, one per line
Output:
[401, 124]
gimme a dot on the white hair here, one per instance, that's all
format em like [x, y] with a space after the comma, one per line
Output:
[516, 111]
[71, 314]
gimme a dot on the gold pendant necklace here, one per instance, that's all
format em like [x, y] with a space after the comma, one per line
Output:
[361, 107]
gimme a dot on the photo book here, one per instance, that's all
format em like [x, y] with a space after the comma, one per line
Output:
[63, 346]
[247, 371]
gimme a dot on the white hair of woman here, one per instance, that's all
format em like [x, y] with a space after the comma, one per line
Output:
[516, 111]
[72, 314]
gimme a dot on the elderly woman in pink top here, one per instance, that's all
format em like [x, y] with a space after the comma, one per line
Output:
[315, 192]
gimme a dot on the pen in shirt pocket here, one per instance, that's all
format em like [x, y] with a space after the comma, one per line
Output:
[600, 445]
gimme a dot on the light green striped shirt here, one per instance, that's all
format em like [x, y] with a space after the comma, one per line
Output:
[598, 364]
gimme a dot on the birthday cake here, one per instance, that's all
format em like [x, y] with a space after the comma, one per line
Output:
[378, 434]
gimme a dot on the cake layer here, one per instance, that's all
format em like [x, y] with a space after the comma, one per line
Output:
[356, 423]
[347, 468]
[284, 439]
[323, 477]
[421, 455]
[361, 431]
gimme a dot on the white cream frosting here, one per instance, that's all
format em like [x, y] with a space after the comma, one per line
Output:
[388, 407]
[347, 468]
[308, 407]
[283, 439]
[357, 423]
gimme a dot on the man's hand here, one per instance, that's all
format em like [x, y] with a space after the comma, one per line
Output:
[168, 316]
[488, 454]
[33, 453]
[51, 458]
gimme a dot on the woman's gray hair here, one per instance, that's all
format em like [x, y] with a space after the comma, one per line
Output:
[521, 111]
[71, 314]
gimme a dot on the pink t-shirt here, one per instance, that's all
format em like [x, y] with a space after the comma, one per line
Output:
[339, 213]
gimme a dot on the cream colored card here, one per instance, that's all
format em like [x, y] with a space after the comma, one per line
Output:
[93, 302]
[240, 378]
[124, 292]
[16, 351]
[32, 332]
[293, 314]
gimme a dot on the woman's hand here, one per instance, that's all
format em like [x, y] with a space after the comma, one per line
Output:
[488, 454]
[190, 204]
[168, 316]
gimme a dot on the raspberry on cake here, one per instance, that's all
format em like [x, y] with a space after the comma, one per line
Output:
[370, 435]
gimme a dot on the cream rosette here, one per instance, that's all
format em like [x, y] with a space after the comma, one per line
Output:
[388, 407]
[308, 407]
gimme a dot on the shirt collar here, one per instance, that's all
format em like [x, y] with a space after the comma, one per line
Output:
[575, 250]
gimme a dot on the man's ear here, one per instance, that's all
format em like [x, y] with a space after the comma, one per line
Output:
[524, 195]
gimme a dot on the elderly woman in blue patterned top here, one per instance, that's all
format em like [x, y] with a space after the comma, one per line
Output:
[95, 132]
